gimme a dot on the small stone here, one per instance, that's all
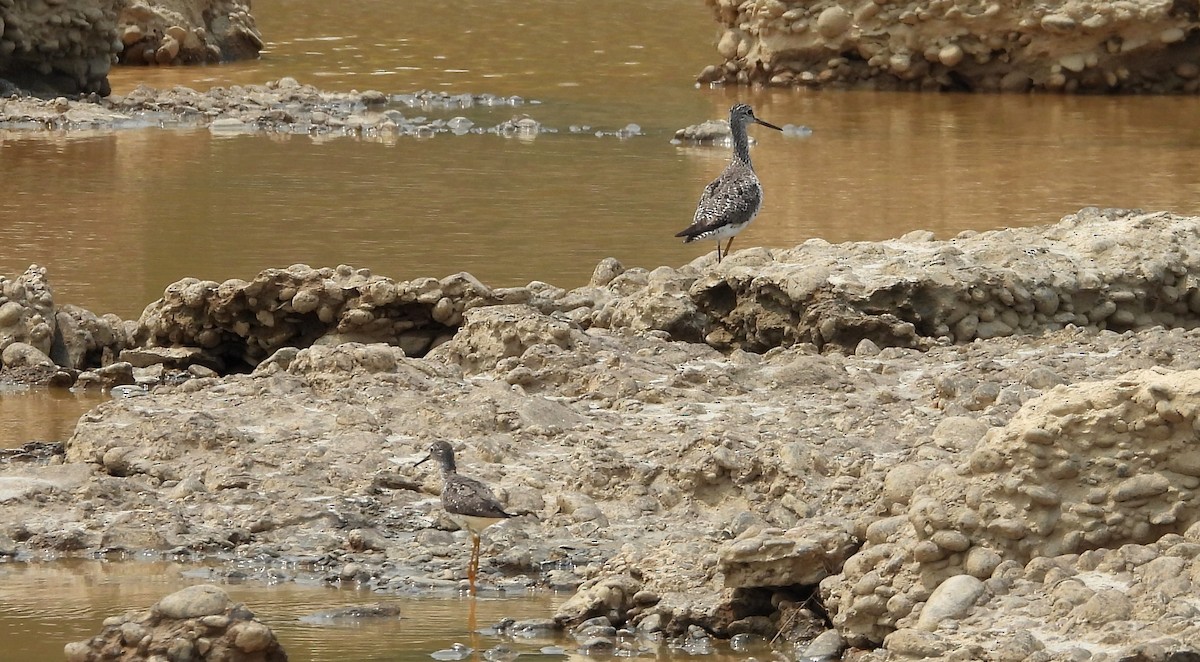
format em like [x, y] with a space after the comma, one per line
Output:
[1172, 35]
[77, 651]
[1076, 62]
[606, 270]
[374, 98]
[132, 633]
[1058, 23]
[166, 53]
[228, 124]
[1142, 486]
[215, 622]
[10, 313]
[1188, 70]
[952, 599]
[252, 637]
[305, 301]
[833, 21]
[952, 541]
[915, 643]
[1020, 647]
[982, 562]
[201, 372]
[1008, 528]
[131, 34]
[950, 55]
[866, 347]
[927, 551]
[1105, 606]
[193, 601]
[727, 47]
[901, 481]
[24, 355]
[826, 646]
[597, 646]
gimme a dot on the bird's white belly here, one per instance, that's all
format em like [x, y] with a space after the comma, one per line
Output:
[730, 229]
[725, 231]
[474, 524]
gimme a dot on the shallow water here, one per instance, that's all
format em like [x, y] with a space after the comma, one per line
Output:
[39, 414]
[45, 606]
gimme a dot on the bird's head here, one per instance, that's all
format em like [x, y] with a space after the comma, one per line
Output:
[443, 453]
[743, 114]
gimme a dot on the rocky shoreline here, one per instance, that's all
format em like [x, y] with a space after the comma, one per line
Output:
[287, 107]
[1073, 46]
[284, 106]
[974, 449]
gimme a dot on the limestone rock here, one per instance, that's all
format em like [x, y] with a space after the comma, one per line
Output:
[1039, 493]
[84, 340]
[198, 622]
[802, 555]
[610, 597]
[653, 300]
[43, 342]
[27, 310]
[192, 602]
[53, 48]
[976, 45]
[491, 334]
[952, 599]
[24, 355]
[241, 323]
[838, 295]
[188, 32]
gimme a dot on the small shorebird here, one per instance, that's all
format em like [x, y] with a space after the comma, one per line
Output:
[467, 501]
[732, 200]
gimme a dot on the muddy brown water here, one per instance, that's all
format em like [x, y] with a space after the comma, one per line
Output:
[118, 216]
[44, 606]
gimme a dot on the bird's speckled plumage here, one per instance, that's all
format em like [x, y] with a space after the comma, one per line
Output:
[733, 199]
[462, 496]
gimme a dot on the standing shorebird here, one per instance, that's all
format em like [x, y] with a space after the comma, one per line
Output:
[730, 201]
[467, 501]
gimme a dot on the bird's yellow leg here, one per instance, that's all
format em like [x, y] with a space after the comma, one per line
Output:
[727, 246]
[718, 251]
[473, 568]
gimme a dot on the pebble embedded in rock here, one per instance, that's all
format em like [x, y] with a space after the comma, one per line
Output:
[252, 637]
[826, 646]
[833, 21]
[952, 599]
[950, 55]
[24, 355]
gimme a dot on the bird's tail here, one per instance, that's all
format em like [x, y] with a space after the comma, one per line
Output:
[688, 234]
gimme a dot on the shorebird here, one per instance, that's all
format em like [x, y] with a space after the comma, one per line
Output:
[730, 201]
[467, 501]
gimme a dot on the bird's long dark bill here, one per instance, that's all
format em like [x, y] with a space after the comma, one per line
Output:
[423, 460]
[767, 124]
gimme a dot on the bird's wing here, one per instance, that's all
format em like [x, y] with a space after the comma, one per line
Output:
[725, 201]
[467, 496]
